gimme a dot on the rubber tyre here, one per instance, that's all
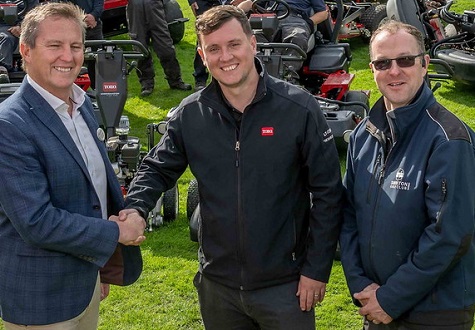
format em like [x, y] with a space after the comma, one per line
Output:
[172, 12]
[356, 96]
[170, 204]
[373, 16]
[192, 199]
[194, 224]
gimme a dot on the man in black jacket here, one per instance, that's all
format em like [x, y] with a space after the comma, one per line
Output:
[259, 148]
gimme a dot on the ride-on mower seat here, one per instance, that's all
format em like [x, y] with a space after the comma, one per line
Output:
[330, 58]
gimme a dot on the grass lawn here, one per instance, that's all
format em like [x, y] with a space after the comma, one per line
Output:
[164, 297]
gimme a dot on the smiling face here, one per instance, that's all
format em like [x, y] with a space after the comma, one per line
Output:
[398, 85]
[228, 53]
[56, 59]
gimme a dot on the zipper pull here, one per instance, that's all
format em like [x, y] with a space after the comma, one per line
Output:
[443, 187]
[236, 148]
[381, 176]
[444, 190]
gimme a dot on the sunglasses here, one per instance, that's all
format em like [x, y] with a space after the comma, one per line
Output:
[402, 62]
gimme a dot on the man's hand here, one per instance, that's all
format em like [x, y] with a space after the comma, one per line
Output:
[105, 289]
[131, 227]
[371, 287]
[15, 30]
[310, 292]
[245, 5]
[371, 309]
[90, 21]
[194, 7]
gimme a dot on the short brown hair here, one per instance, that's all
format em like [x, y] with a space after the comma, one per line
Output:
[392, 26]
[32, 20]
[214, 18]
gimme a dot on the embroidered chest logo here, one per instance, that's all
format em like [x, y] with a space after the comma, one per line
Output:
[327, 135]
[399, 184]
[267, 131]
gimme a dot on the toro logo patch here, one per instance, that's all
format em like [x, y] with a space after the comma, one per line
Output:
[109, 87]
[267, 131]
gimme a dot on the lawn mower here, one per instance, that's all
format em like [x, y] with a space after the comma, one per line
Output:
[449, 37]
[360, 18]
[115, 22]
[324, 69]
[324, 73]
[112, 67]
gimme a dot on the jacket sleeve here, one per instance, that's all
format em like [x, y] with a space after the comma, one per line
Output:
[98, 8]
[450, 204]
[31, 200]
[320, 159]
[159, 170]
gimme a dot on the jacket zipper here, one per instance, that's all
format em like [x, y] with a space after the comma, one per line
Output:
[438, 222]
[382, 159]
[237, 149]
[373, 178]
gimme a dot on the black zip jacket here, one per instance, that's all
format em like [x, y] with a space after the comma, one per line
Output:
[254, 181]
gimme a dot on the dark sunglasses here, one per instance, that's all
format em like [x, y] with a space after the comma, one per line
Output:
[402, 62]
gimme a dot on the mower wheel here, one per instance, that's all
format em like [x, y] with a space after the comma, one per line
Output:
[356, 96]
[373, 16]
[194, 224]
[175, 20]
[170, 204]
[193, 198]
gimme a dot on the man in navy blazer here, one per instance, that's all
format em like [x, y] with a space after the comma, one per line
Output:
[57, 188]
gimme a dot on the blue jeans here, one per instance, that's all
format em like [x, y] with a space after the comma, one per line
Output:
[8, 44]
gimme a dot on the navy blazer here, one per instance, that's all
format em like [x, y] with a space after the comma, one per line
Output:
[53, 240]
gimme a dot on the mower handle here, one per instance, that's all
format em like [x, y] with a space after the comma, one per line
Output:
[140, 50]
[277, 45]
[272, 8]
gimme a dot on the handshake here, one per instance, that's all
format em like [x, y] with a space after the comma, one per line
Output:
[131, 226]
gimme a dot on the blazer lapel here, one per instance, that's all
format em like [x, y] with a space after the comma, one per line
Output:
[50, 119]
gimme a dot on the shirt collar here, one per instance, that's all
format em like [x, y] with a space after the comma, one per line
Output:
[77, 97]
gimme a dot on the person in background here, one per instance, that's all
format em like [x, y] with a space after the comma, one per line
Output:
[9, 34]
[269, 182]
[407, 241]
[298, 27]
[200, 72]
[58, 188]
[147, 24]
[93, 10]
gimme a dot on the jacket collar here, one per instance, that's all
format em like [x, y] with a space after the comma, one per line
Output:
[213, 92]
[40, 108]
[399, 122]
